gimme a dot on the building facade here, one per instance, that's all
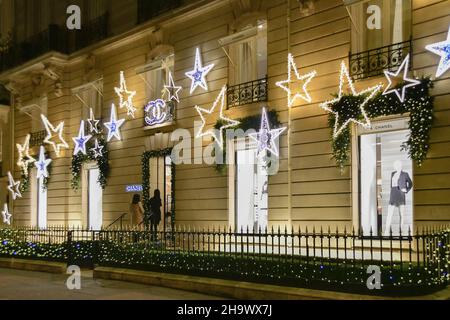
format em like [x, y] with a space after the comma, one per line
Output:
[65, 74]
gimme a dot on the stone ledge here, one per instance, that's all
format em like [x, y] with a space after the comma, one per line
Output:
[33, 265]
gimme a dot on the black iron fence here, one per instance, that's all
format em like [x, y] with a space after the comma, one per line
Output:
[373, 62]
[246, 93]
[319, 259]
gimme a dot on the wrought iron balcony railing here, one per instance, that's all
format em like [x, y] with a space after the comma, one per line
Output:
[246, 93]
[373, 62]
[37, 138]
[151, 9]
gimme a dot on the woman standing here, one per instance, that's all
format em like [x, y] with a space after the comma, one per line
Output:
[155, 213]
[137, 212]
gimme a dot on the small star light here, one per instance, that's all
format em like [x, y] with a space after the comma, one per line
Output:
[81, 140]
[266, 137]
[93, 123]
[198, 75]
[14, 187]
[306, 79]
[370, 92]
[42, 164]
[24, 159]
[114, 125]
[51, 131]
[97, 149]
[6, 215]
[442, 49]
[411, 82]
[122, 92]
[172, 90]
[218, 138]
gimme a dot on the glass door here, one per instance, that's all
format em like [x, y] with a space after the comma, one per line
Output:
[95, 198]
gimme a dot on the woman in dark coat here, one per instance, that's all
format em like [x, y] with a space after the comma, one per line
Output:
[155, 213]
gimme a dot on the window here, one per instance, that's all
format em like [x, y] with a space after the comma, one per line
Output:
[90, 96]
[156, 76]
[36, 111]
[385, 178]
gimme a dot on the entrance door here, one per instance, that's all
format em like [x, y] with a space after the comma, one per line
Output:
[95, 197]
[39, 200]
[161, 179]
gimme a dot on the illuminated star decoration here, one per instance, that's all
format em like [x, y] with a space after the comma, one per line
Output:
[121, 92]
[93, 123]
[369, 93]
[266, 137]
[218, 138]
[411, 82]
[42, 164]
[51, 132]
[6, 215]
[81, 140]
[114, 125]
[303, 92]
[14, 187]
[198, 75]
[24, 160]
[172, 90]
[97, 149]
[442, 49]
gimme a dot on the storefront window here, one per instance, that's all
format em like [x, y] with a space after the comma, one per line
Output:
[386, 187]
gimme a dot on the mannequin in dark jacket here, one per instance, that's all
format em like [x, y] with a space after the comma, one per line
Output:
[155, 213]
[401, 184]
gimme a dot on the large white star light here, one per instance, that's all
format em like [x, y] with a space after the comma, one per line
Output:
[198, 75]
[230, 123]
[172, 90]
[442, 49]
[125, 96]
[81, 140]
[51, 132]
[266, 137]
[25, 159]
[369, 93]
[114, 125]
[42, 164]
[14, 187]
[306, 79]
[404, 67]
[6, 215]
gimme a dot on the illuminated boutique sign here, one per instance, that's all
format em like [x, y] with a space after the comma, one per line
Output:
[159, 113]
[134, 188]
[382, 126]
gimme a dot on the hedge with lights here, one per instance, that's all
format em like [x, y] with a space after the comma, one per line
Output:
[418, 103]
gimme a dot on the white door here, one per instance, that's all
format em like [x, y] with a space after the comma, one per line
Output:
[41, 204]
[95, 195]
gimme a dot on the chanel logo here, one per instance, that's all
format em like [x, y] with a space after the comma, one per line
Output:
[155, 112]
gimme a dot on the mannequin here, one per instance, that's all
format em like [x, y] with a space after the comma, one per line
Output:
[401, 184]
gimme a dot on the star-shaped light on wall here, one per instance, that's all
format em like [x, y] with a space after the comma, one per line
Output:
[24, 159]
[14, 187]
[302, 92]
[228, 122]
[97, 149]
[6, 215]
[369, 93]
[442, 49]
[266, 137]
[198, 75]
[52, 132]
[400, 92]
[172, 90]
[42, 164]
[114, 125]
[125, 96]
[81, 140]
[93, 123]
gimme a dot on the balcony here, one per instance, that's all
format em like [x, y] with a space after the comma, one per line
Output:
[246, 93]
[373, 62]
[37, 138]
[150, 9]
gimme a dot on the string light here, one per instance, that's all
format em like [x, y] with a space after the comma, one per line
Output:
[93, 123]
[230, 123]
[266, 137]
[6, 215]
[155, 112]
[42, 164]
[14, 187]
[172, 90]
[407, 82]
[114, 125]
[51, 132]
[97, 149]
[198, 75]
[125, 102]
[25, 159]
[369, 93]
[306, 79]
[81, 140]
[442, 49]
